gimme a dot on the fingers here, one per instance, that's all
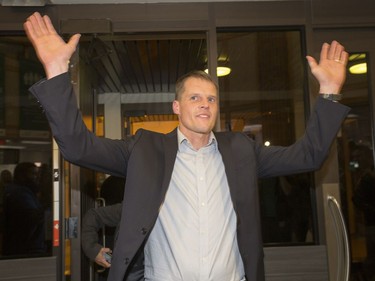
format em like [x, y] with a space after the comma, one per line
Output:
[344, 57]
[100, 259]
[334, 51]
[48, 24]
[34, 21]
[31, 32]
[37, 26]
[324, 51]
[29, 29]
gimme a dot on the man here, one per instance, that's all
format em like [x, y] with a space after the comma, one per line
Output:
[24, 214]
[191, 196]
[94, 220]
[105, 219]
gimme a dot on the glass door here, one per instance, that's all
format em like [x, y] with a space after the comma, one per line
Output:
[356, 150]
[28, 206]
[264, 96]
[130, 80]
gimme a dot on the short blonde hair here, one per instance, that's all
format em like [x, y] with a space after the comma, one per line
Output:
[180, 83]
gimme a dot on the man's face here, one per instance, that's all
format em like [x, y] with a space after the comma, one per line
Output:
[197, 108]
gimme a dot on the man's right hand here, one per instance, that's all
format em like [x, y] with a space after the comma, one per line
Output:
[100, 259]
[53, 52]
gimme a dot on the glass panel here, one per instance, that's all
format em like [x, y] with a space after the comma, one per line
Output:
[25, 156]
[357, 176]
[263, 96]
[143, 68]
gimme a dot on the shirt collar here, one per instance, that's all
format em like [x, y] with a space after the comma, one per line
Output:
[182, 139]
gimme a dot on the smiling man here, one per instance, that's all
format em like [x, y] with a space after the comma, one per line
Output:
[191, 198]
[196, 105]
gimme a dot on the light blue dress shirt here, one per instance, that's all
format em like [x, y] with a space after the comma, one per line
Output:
[194, 238]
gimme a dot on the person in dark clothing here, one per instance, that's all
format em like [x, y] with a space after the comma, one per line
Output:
[6, 178]
[364, 200]
[23, 214]
[103, 222]
[94, 220]
[112, 190]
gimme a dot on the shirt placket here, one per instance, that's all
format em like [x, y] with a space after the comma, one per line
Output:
[203, 217]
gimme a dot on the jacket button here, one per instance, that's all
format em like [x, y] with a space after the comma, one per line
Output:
[144, 230]
[126, 261]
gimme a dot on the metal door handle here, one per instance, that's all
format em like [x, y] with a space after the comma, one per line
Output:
[342, 239]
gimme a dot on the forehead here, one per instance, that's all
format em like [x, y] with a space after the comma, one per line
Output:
[199, 85]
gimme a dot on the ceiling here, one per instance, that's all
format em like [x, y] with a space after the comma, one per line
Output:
[70, 2]
[142, 64]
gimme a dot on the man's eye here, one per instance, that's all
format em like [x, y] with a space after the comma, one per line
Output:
[213, 100]
[194, 98]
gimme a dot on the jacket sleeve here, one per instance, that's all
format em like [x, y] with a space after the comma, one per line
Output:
[309, 152]
[77, 144]
[92, 222]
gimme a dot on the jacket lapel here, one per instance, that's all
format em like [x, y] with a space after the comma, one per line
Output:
[171, 147]
[228, 160]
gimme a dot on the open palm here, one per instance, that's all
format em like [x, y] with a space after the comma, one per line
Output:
[53, 52]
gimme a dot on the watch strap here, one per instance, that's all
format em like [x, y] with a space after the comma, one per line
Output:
[332, 97]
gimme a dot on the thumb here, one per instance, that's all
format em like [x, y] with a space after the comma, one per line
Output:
[311, 61]
[73, 41]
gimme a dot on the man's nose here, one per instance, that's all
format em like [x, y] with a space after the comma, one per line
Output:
[204, 104]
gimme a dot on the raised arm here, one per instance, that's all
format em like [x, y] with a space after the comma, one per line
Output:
[330, 71]
[53, 52]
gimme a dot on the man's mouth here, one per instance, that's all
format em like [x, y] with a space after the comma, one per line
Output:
[203, 116]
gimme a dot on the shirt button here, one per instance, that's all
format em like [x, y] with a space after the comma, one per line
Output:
[126, 261]
[201, 178]
[203, 204]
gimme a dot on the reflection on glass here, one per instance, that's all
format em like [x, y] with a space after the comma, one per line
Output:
[143, 68]
[25, 156]
[357, 170]
[263, 96]
[357, 64]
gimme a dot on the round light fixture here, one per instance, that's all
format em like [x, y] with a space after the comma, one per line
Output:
[359, 68]
[221, 71]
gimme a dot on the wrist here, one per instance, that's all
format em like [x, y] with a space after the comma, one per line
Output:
[56, 69]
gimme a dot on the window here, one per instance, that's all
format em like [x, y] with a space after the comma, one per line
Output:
[25, 156]
[263, 96]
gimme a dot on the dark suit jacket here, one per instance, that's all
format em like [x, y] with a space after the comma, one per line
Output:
[147, 161]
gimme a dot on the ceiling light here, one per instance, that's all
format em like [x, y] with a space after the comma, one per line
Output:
[221, 71]
[357, 63]
[357, 56]
[359, 68]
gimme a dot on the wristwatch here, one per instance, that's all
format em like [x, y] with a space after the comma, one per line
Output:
[332, 97]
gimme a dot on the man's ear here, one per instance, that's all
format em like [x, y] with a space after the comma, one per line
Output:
[176, 107]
